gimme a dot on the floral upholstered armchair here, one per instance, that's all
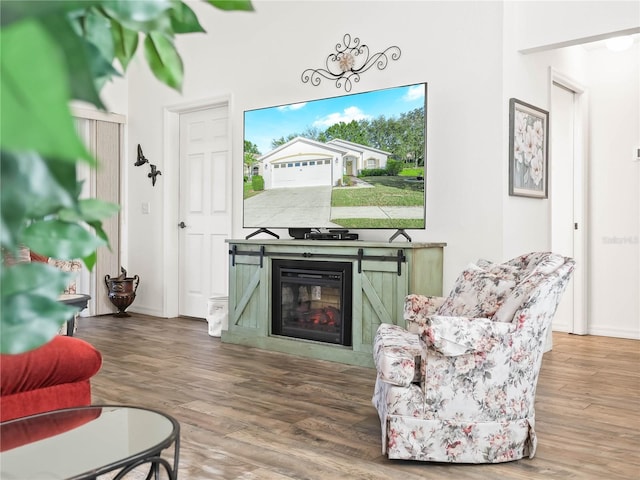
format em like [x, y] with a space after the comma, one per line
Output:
[459, 384]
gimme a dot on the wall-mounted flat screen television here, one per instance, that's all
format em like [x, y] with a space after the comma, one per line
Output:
[355, 161]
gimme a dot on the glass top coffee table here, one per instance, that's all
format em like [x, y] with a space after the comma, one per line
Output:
[85, 442]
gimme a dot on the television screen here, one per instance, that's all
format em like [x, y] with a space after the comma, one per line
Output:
[355, 161]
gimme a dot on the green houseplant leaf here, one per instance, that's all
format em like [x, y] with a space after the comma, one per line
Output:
[163, 59]
[89, 210]
[16, 11]
[31, 313]
[138, 11]
[35, 92]
[183, 20]
[140, 15]
[59, 239]
[94, 31]
[125, 42]
[32, 321]
[92, 211]
[51, 186]
[102, 68]
[78, 66]
[53, 52]
[97, 30]
[232, 4]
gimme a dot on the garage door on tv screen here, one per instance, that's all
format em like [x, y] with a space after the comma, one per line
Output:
[355, 161]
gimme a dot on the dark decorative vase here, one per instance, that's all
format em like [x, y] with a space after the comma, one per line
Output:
[122, 291]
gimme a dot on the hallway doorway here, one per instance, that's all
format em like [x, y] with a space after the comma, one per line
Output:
[567, 204]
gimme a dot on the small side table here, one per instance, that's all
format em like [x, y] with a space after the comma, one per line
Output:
[76, 300]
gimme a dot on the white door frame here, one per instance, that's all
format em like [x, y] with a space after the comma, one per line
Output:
[580, 180]
[171, 200]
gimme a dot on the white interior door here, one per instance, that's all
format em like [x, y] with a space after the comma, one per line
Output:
[562, 185]
[205, 208]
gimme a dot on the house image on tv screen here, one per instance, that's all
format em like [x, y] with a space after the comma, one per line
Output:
[303, 162]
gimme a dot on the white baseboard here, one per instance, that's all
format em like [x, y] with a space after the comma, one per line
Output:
[561, 327]
[615, 332]
[603, 331]
[154, 312]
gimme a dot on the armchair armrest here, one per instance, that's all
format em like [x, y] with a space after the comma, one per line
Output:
[397, 355]
[417, 308]
[452, 336]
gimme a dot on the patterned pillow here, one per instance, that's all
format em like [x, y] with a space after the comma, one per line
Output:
[502, 270]
[545, 262]
[531, 277]
[514, 301]
[477, 293]
[549, 264]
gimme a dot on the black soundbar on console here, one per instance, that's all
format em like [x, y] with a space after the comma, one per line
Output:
[337, 235]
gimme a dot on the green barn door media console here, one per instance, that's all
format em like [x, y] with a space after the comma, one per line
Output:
[379, 275]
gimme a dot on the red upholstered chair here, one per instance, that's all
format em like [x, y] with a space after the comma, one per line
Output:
[56, 375]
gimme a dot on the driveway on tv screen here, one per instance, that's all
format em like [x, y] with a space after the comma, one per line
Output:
[290, 207]
[302, 207]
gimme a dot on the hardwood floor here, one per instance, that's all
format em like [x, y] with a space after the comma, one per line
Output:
[252, 414]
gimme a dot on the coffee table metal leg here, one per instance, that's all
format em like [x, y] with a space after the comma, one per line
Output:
[176, 454]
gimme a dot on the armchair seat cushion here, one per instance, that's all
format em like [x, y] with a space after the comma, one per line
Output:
[453, 336]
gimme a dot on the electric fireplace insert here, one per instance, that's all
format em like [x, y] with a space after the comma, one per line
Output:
[312, 300]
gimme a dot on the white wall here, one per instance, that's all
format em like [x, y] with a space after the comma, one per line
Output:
[258, 58]
[281, 41]
[466, 51]
[115, 95]
[612, 80]
[526, 221]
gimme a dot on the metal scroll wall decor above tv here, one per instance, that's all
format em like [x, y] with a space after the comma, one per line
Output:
[355, 161]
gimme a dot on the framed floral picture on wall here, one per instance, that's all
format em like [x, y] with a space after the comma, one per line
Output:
[528, 150]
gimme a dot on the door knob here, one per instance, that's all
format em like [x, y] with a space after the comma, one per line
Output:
[182, 225]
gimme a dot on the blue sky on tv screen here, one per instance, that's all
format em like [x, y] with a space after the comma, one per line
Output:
[262, 126]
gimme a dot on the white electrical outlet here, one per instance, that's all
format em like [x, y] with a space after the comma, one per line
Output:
[146, 208]
[637, 155]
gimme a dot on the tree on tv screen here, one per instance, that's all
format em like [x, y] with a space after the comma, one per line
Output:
[403, 136]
